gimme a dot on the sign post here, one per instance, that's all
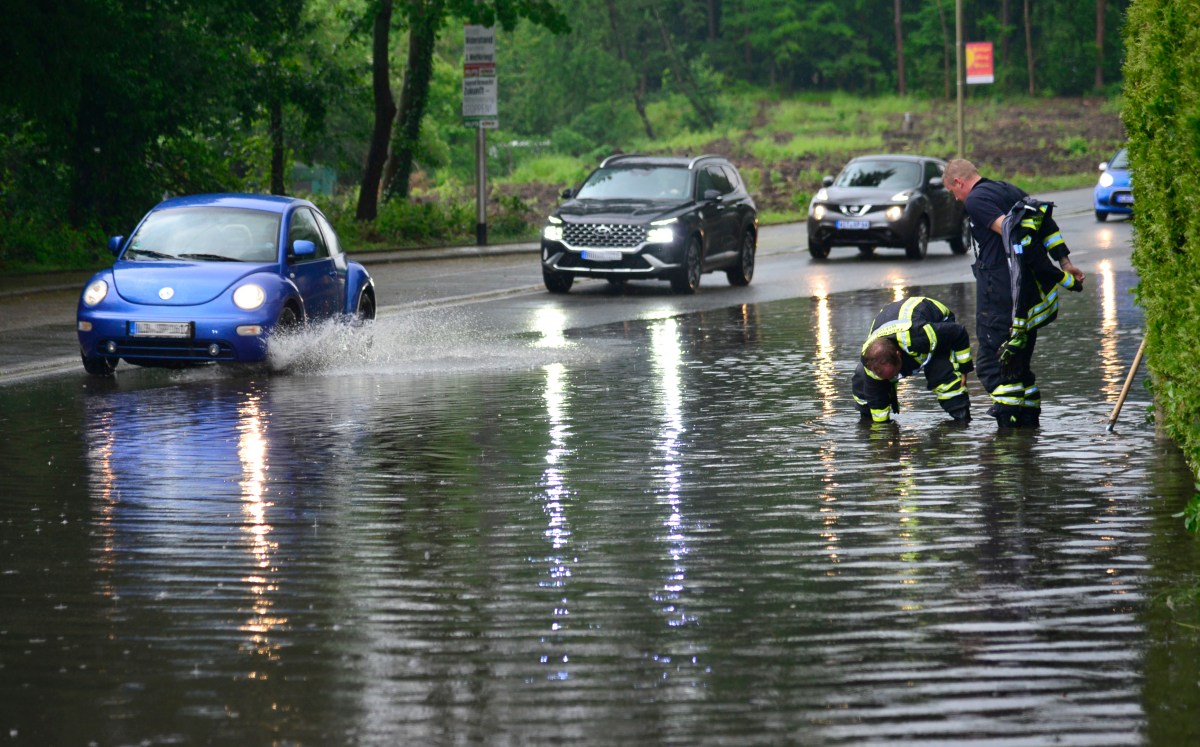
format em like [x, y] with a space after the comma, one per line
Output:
[479, 109]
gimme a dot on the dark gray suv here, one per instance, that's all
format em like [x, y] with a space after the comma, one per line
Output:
[653, 217]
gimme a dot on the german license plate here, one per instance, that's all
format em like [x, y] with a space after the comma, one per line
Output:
[1125, 199]
[854, 225]
[602, 255]
[160, 329]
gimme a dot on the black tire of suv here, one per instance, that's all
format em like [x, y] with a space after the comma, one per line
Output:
[557, 282]
[687, 279]
[960, 243]
[743, 271]
[866, 251]
[818, 249]
[919, 244]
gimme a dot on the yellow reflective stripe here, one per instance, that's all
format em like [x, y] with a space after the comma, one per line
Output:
[941, 306]
[962, 356]
[859, 400]
[1068, 280]
[950, 389]
[1009, 394]
[932, 338]
[906, 311]
[1053, 240]
[881, 416]
[1018, 323]
[891, 328]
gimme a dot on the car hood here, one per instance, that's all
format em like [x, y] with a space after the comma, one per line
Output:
[861, 195]
[190, 282]
[616, 211]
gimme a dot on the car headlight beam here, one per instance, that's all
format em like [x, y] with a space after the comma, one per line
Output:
[819, 212]
[1106, 179]
[249, 297]
[894, 213]
[95, 292]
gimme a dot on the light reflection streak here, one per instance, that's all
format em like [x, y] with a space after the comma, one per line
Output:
[100, 457]
[667, 357]
[252, 453]
[1110, 361]
[558, 531]
[899, 287]
[825, 373]
[825, 368]
[551, 323]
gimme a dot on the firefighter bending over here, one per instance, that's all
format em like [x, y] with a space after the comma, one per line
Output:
[910, 335]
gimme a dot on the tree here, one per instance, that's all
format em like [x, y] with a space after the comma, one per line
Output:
[897, 21]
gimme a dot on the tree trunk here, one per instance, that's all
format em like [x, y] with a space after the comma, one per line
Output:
[385, 112]
[1004, 33]
[712, 21]
[422, 37]
[1029, 45]
[899, 48]
[946, 44]
[276, 135]
[1100, 13]
[640, 88]
[686, 81]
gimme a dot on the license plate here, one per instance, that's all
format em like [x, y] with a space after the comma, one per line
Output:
[1125, 199]
[854, 225]
[602, 255]
[160, 329]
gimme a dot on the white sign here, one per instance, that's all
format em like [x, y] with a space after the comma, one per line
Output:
[479, 77]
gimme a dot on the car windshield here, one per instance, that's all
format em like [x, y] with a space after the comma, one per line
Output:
[1120, 161]
[637, 183]
[882, 174]
[207, 234]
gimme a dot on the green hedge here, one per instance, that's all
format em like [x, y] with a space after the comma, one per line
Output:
[1162, 116]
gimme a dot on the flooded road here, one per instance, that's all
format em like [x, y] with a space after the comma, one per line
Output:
[663, 531]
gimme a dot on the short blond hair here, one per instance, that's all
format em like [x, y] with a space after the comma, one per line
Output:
[960, 168]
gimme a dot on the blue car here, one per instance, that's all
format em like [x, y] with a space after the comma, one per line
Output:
[1114, 191]
[208, 278]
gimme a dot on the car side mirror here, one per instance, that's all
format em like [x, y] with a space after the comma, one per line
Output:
[303, 248]
[937, 183]
[827, 180]
[114, 244]
[1104, 166]
[568, 194]
[711, 195]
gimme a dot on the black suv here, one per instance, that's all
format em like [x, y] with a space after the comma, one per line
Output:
[659, 217]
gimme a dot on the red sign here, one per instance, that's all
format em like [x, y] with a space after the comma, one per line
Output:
[980, 64]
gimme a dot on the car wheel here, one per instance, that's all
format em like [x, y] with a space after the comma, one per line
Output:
[960, 243]
[866, 251]
[288, 321]
[1101, 216]
[687, 279]
[818, 249]
[557, 282]
[919, 244]
[743, 272]
[98, 365]
[366, 308]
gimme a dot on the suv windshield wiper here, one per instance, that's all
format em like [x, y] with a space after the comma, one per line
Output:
[209, 257]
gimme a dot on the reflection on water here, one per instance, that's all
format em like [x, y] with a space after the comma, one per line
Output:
[663, 531]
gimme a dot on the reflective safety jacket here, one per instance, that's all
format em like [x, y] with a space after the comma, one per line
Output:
[929, 339]
[1031, 240]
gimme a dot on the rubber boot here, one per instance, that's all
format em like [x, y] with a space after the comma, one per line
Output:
[961, 415]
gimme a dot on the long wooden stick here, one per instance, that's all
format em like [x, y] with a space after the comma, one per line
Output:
[1137, 361]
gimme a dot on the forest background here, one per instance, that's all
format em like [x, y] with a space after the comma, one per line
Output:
[105, 107]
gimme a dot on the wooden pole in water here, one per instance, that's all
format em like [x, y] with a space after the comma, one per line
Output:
[1137, 361]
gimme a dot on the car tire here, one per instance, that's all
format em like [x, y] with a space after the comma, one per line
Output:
[99, 366]
[288, 321]
[687, 279]
[866, 251]
[1101, 216]
[743, 271]
[818, 249]
[557, 282]
[365, 310]
[918, 245]
[960, 243]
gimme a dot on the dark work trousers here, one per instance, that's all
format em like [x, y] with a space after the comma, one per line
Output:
[1016, 399]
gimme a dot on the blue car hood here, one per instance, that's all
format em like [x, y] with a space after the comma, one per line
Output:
[190, 282]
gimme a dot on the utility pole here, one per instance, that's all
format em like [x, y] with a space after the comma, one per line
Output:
[960, 74]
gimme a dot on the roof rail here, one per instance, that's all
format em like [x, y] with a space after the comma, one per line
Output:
[697, 159]
[617, 156]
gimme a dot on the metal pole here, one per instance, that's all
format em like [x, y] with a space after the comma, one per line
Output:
[481, 185]
[1137, 361]
[960, 68]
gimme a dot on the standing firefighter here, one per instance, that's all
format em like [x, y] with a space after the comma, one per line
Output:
[1016, 286]
[907, 336]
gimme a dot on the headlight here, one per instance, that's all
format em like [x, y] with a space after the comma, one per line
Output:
[901, 196]
[553, 233]
[249, 297]
[95, 293]
[819, 212]
[822, 194]
[1106, 179]
[895, 212]
[661, 232]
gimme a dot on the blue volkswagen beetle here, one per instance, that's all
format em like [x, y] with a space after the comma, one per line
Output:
[208, 278]
[1114, 190]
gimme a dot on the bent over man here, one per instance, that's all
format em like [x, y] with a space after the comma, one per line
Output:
[1016, 286]
[910, 335]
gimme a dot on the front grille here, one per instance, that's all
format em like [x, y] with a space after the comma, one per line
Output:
[168, 349]
[611, 235]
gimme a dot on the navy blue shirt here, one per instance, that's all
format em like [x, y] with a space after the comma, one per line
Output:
[987, 201]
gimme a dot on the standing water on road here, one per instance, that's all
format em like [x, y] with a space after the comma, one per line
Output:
[668, 531]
